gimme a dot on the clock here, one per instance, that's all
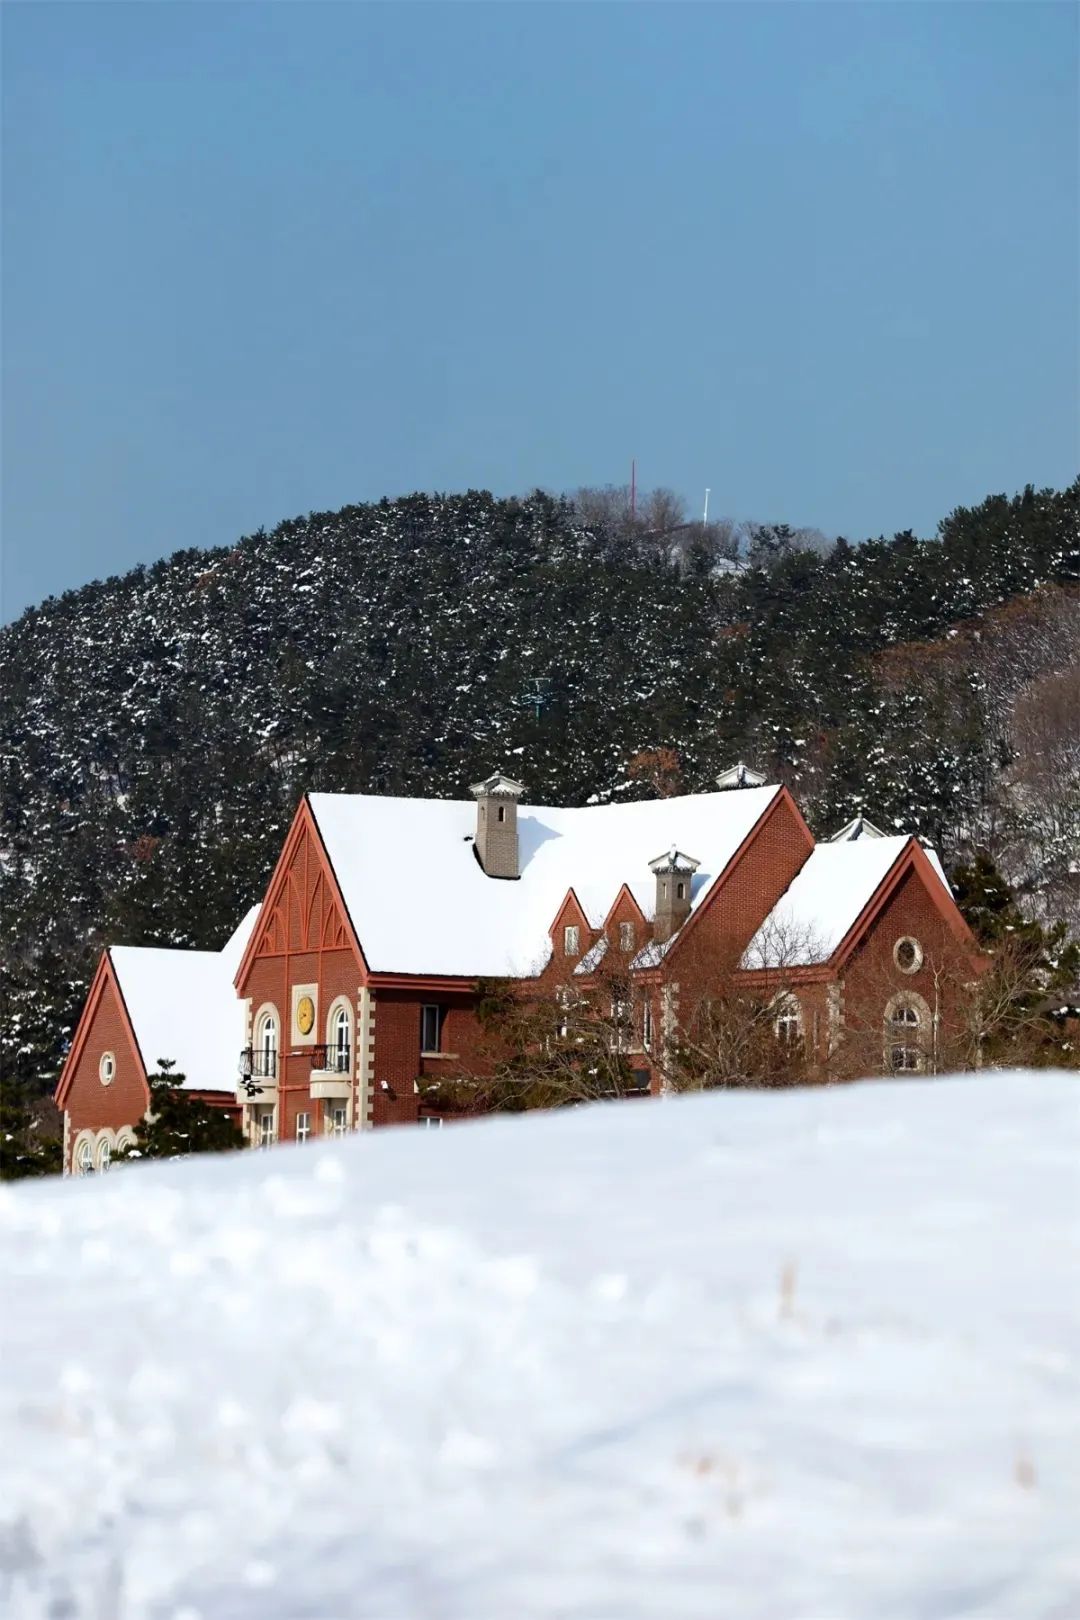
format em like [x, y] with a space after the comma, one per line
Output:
[305, 1015]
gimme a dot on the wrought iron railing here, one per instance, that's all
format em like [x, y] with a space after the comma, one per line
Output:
[332, 1059]
[258, 1064]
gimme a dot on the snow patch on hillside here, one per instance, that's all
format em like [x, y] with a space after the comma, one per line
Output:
[811, 1354]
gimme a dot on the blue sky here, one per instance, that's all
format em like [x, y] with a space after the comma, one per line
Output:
[260, 259]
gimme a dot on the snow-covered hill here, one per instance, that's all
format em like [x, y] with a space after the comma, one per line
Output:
[796, 1356]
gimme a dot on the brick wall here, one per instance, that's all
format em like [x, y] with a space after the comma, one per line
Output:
[90, 1105]
[872, 978]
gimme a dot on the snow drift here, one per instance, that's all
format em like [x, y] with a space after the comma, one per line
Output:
[811, 1355]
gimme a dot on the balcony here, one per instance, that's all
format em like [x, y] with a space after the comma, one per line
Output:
[330, 1079]
[258, 1077]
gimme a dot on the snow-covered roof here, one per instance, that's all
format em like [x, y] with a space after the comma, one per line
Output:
[183, 1007]
[432, 910]
[824, 899]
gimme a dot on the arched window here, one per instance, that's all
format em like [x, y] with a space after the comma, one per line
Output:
[787, 1022]
[104, 1154]
[904, 1036]
[264, 1066]
[84, 1157]
[339, 1038]
[107, 1069]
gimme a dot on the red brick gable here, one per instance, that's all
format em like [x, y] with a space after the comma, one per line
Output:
[570, 915]
[303, 910]
[932, 907]
[104, 1026]
[744, 893]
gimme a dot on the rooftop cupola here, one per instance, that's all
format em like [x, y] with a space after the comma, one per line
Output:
[740, 775]
[673, 872]
[496, 825]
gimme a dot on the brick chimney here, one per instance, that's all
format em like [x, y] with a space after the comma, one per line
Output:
[673, 871]
[496, 825]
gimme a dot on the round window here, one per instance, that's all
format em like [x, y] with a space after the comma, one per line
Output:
[907, 954]
[107, 1069]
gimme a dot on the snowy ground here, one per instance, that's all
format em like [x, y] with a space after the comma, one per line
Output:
[792, 1357]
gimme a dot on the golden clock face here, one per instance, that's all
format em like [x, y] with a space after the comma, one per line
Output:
[305, 1015]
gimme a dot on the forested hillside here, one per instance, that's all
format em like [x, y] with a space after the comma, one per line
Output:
[157, 729]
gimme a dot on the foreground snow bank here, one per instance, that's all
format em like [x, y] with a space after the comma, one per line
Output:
[768, 1357]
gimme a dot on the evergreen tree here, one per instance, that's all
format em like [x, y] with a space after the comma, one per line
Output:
[178, 1123]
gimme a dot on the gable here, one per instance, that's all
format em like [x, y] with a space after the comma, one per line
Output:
[912, 901]
[103, 1027]
[303, 910]
[760, 870]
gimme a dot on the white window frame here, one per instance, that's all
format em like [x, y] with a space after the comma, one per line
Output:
[266, 1117]
[429, 1123]
[426, 1048]
[107, 1068]
[788, 1020]
[266, 1021]
[83, 1157]
[917, 958]
[627, 936]
[339, 1120]
[908, 1027]
[572, 940]
[646, 1025]
[340, 1017]
[303, 1127]
[103, 1154]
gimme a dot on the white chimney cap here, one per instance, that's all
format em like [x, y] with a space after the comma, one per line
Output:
[673, 860]
[740, 775]
[498, 784]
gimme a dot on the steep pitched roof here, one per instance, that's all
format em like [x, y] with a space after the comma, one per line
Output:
[825, 899]
[420, 903]
[182, 1005]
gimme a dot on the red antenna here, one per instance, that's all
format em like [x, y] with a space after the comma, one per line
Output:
[633, 491]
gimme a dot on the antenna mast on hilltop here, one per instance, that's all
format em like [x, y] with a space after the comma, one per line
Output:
[705, 518]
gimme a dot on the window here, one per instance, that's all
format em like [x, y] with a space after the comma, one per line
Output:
[107, 1069]
[340, 1030]
[788, 1021]
[264, 1057]
[571, 940]
[626, 936]
[905, 1048]
[303, 1127]
[266, 1128]
[680, 891]
[84, 1158]
[907, 954]
[429, 1123]
[339, 1121]
[646, 1026]
[502, 812]
[104, 1155]
[621, 1018]
[431, 1020]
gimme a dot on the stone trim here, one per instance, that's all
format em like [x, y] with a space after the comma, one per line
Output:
[364, 1115]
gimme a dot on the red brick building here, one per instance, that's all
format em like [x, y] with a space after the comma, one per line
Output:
[353, 987]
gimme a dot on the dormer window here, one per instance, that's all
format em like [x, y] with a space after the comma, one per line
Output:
[626, 936]
[571, 940]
